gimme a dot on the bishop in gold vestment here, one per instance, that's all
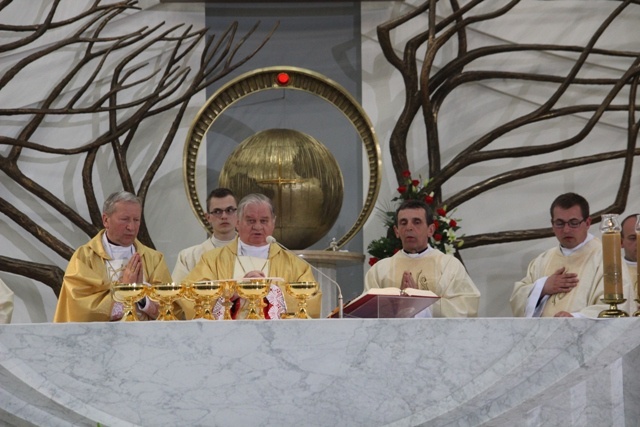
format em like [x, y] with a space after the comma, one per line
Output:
[250, 255]
[85, 295]
[114, 254]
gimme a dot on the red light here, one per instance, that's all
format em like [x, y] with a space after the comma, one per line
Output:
[283, 79]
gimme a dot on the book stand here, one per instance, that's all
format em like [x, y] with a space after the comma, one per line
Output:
[387, 306]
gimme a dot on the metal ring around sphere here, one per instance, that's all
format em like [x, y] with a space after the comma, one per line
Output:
[298, 79]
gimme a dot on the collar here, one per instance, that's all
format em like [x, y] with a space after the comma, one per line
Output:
[419, 254]
[218, 243]
[115, 251]
[567, 251]
[254, 251]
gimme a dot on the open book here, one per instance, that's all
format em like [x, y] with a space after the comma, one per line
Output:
[391, 303]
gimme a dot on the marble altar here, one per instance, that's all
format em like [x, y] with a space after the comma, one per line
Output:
[327, 372]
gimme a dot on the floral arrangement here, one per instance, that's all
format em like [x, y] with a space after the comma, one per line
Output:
[444, 238]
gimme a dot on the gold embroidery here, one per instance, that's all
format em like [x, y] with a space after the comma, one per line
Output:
[115, 274]
[422, 281]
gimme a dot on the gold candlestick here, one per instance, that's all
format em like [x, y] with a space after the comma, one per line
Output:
[612, 266]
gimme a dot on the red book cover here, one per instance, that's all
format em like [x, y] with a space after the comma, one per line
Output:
[389, 303]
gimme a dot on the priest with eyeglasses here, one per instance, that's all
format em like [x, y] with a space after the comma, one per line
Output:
[222, 215]
[566, 280]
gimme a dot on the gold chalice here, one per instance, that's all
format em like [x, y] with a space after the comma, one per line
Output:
[165, 294]
[228, 291]
[302, 291]
[254, 290]
[205, 293]
[128, 294]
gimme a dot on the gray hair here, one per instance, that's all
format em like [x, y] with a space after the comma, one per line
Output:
[119, 196]
[255, 199]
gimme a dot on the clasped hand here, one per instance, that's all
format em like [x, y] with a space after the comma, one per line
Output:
[407, 281]
[133, 271]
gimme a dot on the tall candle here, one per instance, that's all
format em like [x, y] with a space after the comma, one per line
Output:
[612, 260]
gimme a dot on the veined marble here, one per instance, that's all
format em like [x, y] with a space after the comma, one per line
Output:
[328, 372]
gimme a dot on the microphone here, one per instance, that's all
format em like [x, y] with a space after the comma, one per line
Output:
[271, 239]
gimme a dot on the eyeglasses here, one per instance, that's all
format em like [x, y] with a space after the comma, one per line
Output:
[572, 223]
[219, 212]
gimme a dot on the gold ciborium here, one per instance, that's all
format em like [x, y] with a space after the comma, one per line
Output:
[166, 294]
[254, 290]
[205, 293]
[128, 294]
[302, 291]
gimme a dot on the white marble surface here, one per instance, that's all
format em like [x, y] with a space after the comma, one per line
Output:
[355, 372]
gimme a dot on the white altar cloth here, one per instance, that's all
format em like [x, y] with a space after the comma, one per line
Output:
[351, 372]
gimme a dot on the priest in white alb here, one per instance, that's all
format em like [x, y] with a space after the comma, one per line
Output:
[420, 266]
[222, 215]
[566, 280]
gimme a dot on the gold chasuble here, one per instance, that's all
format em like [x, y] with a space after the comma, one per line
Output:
[434, 271]
[85, 295]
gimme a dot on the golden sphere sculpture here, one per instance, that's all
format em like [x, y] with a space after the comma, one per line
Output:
[279, 78]
[300, 176]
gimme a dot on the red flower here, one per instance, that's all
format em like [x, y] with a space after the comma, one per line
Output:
[453, 223]
[437, 237]
[428, 199]
[395, 251]
[436, 223]
[415, 182]
[441, 212]
[406, 174]
[373, 260]
[402, 189]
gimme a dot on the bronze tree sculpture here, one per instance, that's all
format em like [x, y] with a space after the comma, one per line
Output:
[135, 91]
[428, 86]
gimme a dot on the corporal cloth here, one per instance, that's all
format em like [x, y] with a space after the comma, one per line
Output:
[434, 271]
